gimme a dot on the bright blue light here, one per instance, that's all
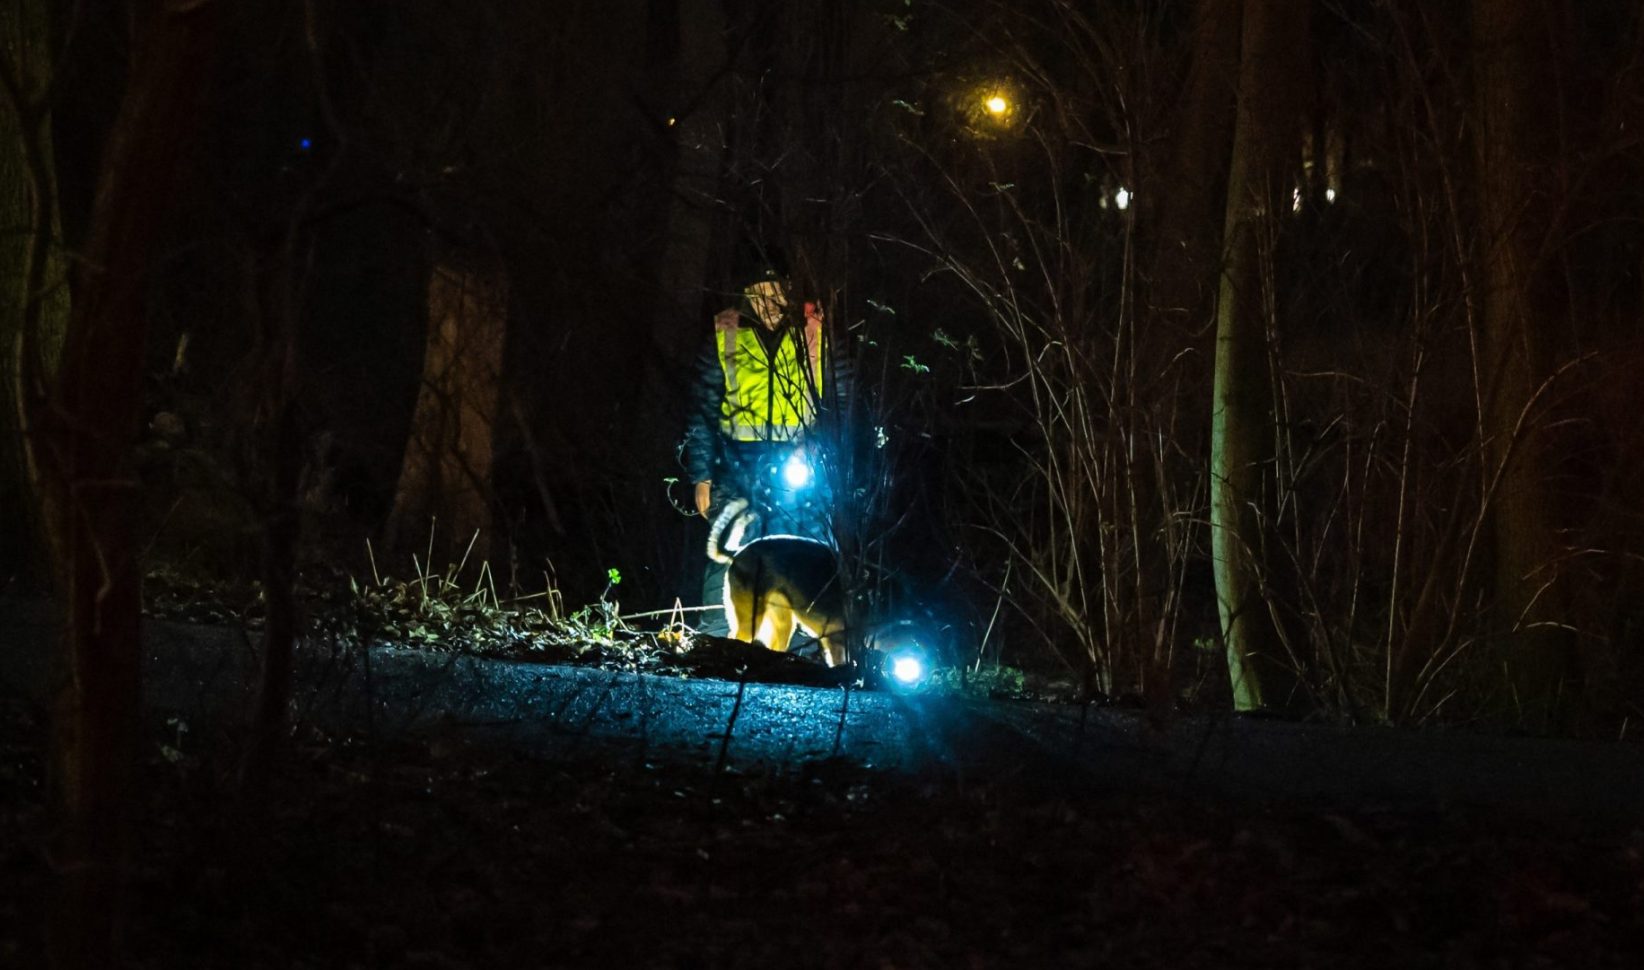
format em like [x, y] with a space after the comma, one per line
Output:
[304, 144]
[797, 472]
[908, 669]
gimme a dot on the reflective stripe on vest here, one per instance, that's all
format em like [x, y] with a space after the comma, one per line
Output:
[768, 399]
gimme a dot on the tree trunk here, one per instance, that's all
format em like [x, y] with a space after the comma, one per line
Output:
[1181, 226]
[88, 436]
[445, 480]
[278, 440]
[1516, 110]
[33, 302]
[1187, 200]
[1260, 181]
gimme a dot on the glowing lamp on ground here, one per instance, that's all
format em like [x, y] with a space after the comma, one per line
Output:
[996, 104]
[907, 669]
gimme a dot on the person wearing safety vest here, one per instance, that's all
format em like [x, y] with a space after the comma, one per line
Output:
[761, 384]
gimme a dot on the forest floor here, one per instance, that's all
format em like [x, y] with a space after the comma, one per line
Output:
[437, 855]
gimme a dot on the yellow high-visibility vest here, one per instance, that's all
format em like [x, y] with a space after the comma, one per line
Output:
[767, 399]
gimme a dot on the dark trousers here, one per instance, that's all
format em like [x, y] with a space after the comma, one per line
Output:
[713, 621]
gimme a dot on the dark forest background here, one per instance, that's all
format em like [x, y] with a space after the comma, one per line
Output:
[1280, 355]
[1263, 355]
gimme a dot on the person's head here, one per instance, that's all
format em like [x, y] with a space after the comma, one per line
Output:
[761, 274]
[767, 300]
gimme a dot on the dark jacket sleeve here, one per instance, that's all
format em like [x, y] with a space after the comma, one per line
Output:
[707, 394]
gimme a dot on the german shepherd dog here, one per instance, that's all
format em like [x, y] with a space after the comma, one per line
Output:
[776, 583]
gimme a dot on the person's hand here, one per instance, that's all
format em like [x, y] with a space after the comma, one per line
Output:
[704, 496]
[813, 313]
[727, 319]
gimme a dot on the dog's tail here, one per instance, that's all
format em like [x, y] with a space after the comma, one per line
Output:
[733, 522]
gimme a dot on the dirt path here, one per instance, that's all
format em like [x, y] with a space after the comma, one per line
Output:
[199, 673]
[442, 812]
